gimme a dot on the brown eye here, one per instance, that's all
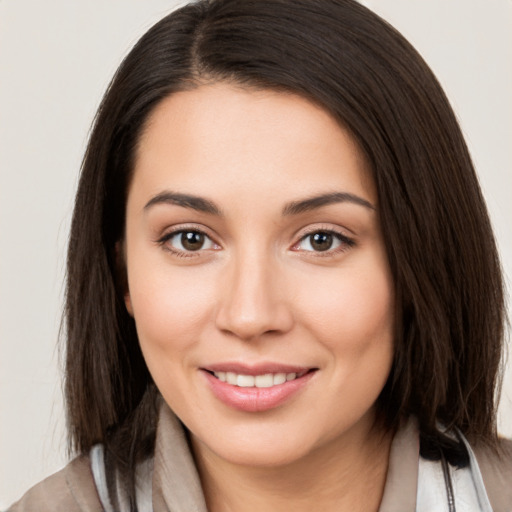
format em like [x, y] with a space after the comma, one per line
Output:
[324, 241]
[192, 240]
[321, 241]
[187, 241]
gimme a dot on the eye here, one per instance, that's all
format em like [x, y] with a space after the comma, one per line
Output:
[188, 241]
[323, 241]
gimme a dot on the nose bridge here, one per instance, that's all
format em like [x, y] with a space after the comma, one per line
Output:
[252, 303]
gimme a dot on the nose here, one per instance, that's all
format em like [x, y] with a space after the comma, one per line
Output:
[253, 299]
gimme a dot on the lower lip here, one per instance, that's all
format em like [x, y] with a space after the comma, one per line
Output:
[256, 399]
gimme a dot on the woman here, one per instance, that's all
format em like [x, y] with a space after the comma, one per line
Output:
[287, 247]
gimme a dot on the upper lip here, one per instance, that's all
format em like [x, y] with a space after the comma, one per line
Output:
[256, 369]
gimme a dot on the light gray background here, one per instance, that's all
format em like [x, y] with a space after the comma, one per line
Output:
[56, 58]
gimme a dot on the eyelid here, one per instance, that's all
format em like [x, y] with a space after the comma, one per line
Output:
[169, 230]
[181, 228]
[347, 241]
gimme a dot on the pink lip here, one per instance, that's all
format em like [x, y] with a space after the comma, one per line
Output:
[256, 399]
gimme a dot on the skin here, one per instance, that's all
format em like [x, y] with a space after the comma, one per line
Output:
[257, 290]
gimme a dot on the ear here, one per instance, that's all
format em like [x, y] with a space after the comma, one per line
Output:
[128, 302]
[122, 276]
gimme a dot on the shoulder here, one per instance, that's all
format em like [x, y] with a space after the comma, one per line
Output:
[496, 469]
[70, 490]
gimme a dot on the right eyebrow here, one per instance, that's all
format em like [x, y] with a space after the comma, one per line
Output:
[198, 203]
[311, 203]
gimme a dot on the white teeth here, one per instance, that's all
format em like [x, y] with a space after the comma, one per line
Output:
[279, 378]
[245, 381]
[259, 381]
[264, 381]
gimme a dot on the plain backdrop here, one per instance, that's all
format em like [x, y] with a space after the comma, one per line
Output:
[56, 58]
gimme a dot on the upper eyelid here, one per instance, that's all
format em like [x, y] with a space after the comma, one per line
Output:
[169, 235]
[345, 239]
[324, 229]
[341, 236]
[299, 236]
[172, 231]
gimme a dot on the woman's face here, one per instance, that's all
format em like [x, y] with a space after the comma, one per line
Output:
[257, 274]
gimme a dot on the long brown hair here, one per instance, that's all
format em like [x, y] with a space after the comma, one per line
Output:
[439, 241]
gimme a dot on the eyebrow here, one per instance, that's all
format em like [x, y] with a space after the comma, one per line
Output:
[204, 205]
[186, 201]
[311, 203]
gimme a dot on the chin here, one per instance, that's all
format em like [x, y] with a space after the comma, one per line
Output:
[257, 447]
[255, 455]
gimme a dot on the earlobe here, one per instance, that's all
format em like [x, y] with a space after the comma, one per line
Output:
[128, 303]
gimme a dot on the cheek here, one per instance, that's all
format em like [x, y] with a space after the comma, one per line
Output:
[169, 307]
[352, 310]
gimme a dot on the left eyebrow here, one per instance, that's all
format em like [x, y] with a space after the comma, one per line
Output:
[311, 203]
[197, 203]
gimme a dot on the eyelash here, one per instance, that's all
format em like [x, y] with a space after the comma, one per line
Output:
[163, 241]
[345, 242]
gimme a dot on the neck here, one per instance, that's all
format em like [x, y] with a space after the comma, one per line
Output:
[348, 473]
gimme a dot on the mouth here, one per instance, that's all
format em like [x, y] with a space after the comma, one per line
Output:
[256, 389]
[265, 380]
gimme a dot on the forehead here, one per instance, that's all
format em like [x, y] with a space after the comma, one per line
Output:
[222, 136]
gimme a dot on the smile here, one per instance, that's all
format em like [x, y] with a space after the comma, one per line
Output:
[266, 380]
[256, 390]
